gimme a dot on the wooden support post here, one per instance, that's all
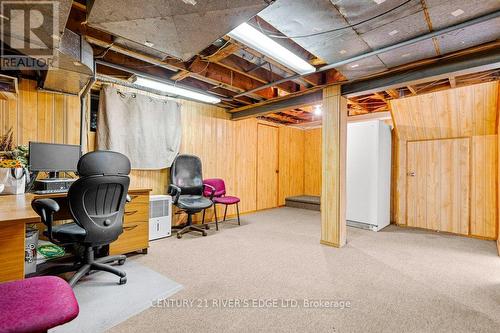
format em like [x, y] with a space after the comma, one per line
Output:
[498, 163]
[333, 194]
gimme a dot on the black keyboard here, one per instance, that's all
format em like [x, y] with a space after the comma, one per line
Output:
[50, 191]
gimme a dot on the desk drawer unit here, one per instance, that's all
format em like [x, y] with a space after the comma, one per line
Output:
[135, 236]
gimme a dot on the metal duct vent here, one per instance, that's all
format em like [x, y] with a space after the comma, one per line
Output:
[75, 65]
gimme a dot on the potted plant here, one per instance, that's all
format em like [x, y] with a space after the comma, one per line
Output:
[13, 165]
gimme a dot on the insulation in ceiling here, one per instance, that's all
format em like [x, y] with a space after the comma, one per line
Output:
[354, 36]
[174, 27]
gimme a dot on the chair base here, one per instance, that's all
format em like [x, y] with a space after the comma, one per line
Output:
[87, 266]
[91, 264]
[190, 227]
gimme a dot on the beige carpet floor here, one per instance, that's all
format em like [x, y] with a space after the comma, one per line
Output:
[396, 280]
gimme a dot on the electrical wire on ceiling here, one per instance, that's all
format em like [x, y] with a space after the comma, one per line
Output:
[319, 33]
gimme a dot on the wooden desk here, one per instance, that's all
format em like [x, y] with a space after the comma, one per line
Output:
[16, 213]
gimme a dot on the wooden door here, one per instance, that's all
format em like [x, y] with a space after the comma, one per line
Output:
[267, 166]
[438, 185]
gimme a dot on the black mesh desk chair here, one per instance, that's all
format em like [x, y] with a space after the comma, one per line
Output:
[96, 202]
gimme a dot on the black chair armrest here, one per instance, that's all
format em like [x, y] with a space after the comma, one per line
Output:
[212, 190]
[46, 208]
[175, 192]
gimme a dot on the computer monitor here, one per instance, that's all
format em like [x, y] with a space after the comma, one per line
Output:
[53, 158]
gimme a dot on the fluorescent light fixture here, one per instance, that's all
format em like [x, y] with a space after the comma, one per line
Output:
[355, 65]
[378, 2]
[149, 44]
[457, 12]
[342, 51]
[393, 32]
[405, 55]
[250, 36]
[173, 90]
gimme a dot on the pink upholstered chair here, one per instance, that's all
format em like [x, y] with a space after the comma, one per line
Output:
[220, 197]
[36, 304]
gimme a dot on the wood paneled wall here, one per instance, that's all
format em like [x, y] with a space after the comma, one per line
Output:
[41, 116]
[483, 200]
[312, 162]
[291, 162]
[267, 166]
[228, 150]
[438, 187]
[453, 113]
[467, 113]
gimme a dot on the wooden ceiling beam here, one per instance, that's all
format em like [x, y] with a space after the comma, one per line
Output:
[249, 69]
[290, 116]
[292, 101]
[485, 57]
[453, 81]
[360, 106]
[226, 76]
[223, 53]
[393, 93]
[212, 73]
[412, 89]
[380, 96]
[79, 6]
[180, 75]
[303, 115]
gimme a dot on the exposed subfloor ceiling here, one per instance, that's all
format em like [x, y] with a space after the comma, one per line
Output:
[354, 31]
[149, 38]
[174, 27]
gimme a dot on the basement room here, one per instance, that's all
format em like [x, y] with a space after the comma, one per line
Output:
[249, 166]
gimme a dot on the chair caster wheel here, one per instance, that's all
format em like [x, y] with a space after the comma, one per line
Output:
[121, 262]
[123, 280]
[204, 233]
[179, 236]
[207, 227]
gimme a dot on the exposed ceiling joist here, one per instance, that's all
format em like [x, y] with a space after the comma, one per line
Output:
[453, 81]
[223, 53]
[370, 116]
[180, 75]
[278, 104]
[393, 93]
[412, 89]
[440, 70]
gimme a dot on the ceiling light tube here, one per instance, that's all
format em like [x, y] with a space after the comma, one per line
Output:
[173, 90]
[255, 39]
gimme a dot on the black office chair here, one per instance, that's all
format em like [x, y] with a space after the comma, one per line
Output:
[96, 202]
[186, 187]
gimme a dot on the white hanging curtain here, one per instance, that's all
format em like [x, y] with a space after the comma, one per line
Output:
[146, 129]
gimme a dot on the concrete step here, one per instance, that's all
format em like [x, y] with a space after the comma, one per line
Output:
[310, 202]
